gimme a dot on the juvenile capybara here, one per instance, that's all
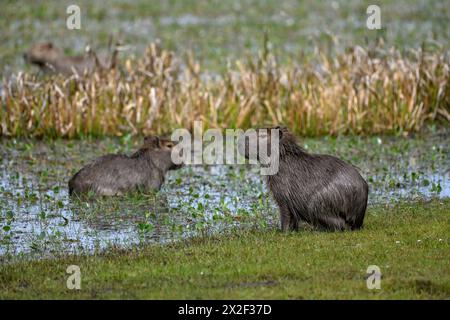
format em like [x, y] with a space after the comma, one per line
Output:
[51, 59]
[321, 190]
[117, 174]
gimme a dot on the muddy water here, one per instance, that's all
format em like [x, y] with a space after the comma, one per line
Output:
[38, 219]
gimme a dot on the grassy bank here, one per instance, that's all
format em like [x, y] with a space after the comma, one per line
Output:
[409, 242]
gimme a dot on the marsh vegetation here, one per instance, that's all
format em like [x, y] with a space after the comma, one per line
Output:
[377, 99]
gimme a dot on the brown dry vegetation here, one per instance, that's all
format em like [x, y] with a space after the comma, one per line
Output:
[365, 92]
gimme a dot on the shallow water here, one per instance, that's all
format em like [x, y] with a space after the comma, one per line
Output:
[38, 219]
[216, 30]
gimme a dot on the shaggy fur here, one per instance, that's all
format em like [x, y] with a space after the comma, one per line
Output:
[321, 190]
[117, 174]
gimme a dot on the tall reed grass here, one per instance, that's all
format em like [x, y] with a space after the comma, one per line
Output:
[359, 91]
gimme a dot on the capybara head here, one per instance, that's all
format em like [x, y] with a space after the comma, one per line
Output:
[258, 144]
[155, 142]
[159, 149]
[264, 145]
[43, 53]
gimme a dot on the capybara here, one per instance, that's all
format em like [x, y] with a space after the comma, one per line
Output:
[321, 190]
[118, 174]
[51, 59]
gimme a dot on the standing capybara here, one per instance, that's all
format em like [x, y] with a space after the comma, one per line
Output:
[117, 174]
[52, 59]
[321, 190]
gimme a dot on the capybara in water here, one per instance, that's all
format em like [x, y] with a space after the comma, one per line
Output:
[51, 59]
[321, 190]
[117, 174]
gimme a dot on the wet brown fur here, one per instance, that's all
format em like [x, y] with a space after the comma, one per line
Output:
[117, 174]
[319, 189]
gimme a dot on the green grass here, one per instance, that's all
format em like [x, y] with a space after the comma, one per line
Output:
[409, 242]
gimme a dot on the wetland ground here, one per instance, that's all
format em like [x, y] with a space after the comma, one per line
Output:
[407, 241]
[38, 219]
[218, 31]
[212, 231]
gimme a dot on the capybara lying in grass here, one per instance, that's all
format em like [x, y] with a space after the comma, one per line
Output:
[117, 174]
[51, 59]
[321, 190]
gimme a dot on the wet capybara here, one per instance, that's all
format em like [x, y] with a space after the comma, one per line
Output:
[117, 174]
[51, 59]
[321, 190]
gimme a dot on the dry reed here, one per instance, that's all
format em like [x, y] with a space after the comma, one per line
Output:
[361, 92]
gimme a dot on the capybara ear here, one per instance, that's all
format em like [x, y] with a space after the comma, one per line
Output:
[149, 139]
[152, 141]
[49, 45]
[280, 131]
[158, 142]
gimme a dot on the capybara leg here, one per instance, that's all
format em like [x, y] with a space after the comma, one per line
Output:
[293, 223]
[331, 223]
[285, 222]
[285, 218]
